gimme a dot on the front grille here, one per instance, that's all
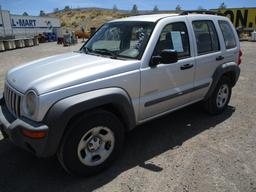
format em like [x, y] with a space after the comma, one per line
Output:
[12, 100]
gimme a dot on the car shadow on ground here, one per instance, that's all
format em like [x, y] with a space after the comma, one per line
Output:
[21, 171]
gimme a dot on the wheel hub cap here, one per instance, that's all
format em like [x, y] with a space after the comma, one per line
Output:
[222, 96]
[96, 146]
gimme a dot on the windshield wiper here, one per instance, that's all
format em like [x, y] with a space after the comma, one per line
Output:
[105, 51]
[100, 51]
[87, 50]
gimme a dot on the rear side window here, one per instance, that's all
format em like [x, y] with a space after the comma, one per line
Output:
[206, 37]
[228, 34]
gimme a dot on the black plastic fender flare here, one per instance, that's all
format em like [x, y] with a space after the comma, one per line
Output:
[59, 115]
[219, 72]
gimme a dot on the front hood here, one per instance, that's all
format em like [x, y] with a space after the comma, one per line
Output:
[65, 70]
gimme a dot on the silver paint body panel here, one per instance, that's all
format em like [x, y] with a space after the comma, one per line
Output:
[62, 76]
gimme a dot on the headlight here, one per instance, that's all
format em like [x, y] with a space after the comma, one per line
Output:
[31, 102]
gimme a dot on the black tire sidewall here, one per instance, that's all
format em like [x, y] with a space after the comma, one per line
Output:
[68, 152]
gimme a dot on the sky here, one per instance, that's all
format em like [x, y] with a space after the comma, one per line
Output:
[33, 7]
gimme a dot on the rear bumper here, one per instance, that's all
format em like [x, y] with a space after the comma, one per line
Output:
[12, 127]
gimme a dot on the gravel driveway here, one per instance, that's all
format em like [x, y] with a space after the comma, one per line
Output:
[185, 151]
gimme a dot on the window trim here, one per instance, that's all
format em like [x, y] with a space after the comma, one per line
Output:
[216, 32]
[189, 48]
[223, 34]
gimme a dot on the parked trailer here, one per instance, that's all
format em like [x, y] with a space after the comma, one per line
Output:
[18, 31]
[9, 44]
[31, 25]
[5, 24]
[20, 43]
[29, 42]
[253, 36]
[19, 26]
[35, 40]
[2, 46]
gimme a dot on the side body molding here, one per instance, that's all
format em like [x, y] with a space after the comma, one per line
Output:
[64, 110]
[227, 68]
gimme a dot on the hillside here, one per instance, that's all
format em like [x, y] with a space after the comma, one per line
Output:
[86, 18]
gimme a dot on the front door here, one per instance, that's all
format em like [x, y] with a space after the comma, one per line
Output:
[168, 86]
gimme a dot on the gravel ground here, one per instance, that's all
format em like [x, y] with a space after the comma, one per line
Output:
[185, 151]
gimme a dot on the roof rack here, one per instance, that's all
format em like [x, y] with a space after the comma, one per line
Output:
[201, 12]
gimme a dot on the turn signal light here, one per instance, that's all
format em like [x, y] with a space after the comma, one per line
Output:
[240, 57]
[33, 134]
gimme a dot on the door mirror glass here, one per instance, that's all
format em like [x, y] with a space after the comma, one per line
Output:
[166, 56]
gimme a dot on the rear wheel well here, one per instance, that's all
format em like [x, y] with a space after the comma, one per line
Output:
[232, 76]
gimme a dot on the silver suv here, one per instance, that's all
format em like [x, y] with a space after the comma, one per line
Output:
[79, 105]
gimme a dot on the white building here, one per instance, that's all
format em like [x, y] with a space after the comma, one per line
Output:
[19, 26]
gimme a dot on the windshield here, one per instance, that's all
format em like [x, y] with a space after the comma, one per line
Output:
[120, 40]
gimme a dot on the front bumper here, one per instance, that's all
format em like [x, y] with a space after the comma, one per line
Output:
[12, 127]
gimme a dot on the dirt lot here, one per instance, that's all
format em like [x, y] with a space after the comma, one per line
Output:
[185, 151]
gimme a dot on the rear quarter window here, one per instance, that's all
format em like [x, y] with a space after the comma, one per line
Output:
[228, 34]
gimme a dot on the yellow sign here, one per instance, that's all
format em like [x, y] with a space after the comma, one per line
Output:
[241, 17]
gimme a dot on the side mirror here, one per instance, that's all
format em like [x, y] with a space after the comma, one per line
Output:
[167, 56]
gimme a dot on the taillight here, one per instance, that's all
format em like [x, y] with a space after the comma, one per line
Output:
[240, 57]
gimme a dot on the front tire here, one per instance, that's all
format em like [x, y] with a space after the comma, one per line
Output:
[93, 141]
[220, 97]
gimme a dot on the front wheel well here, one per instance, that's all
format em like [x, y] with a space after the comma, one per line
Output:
[117, 111]
[108, 107]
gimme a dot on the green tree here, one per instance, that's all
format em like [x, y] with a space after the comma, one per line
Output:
[135, 9]
[200, 8]
[25, 14]
[66, 8]
[178, 8]
[222, 6]
[55, 10]
[42, 13]
[63, 24]
[155, 9]
[115, 9]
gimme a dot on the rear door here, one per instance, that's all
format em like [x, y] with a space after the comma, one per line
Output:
[230, 45]
[6, 23]
[208, 53]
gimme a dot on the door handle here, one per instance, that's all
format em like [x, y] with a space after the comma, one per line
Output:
[186, 66]
[219, 58]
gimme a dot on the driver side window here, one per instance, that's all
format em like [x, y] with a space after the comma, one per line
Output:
[174, 36]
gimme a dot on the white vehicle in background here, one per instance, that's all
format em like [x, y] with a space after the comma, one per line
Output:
[80, 105]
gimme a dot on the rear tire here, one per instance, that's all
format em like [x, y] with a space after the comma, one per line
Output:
[93, 141]
[220, 97]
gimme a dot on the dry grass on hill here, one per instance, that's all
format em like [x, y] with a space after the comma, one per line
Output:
[75, 19]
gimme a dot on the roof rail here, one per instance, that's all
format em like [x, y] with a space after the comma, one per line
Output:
[201, 12]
